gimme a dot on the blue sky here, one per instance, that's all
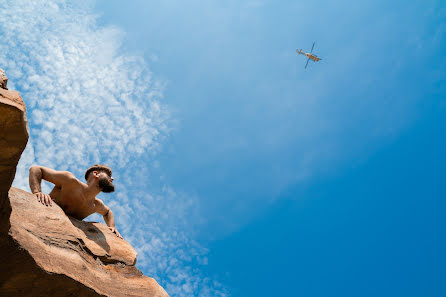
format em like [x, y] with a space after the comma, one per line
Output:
[242, 173]
[229, 67]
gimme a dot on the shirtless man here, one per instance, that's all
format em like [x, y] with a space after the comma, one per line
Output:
[76, 198]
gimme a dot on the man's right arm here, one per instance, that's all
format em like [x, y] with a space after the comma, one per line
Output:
[37, 173]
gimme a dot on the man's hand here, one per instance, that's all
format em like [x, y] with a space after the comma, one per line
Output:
[45, 199]
[113, 229]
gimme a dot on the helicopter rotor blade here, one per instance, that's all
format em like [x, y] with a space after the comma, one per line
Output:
[307, 63]
[312, 47]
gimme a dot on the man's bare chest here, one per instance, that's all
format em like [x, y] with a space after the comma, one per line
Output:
[73, 202]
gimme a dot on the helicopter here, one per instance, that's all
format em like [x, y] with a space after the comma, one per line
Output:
[310, 55]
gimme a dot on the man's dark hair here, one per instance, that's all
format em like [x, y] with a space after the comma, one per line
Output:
[99, 168]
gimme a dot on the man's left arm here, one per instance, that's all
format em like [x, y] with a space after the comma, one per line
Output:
[107, 213]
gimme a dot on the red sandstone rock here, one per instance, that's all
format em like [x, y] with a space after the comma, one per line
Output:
[50, 254]
[3, 79]
[13, 135]
[45, 253]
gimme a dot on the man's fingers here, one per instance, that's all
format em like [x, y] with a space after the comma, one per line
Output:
[45, 199]
[42, 198]
[48, 200]
[114, 230]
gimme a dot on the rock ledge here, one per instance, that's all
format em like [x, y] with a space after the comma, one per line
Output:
[43, 252]
[49, 254]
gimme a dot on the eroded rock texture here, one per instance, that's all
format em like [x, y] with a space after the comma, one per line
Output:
[50, 254]
[3, 79]
[13, 133]
[45, 253]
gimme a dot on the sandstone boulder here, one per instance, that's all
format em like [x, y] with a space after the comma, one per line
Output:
[46, 253]
[3, 80]
[43, 252]
[13, 135]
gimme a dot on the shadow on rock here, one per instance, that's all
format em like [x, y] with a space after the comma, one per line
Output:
[92, 232]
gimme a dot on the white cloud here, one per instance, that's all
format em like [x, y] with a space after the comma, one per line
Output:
[88, 103]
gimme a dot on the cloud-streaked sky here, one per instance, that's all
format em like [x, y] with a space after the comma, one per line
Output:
[88, 103]
[239, 172]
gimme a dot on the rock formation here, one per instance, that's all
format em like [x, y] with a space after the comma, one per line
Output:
[3, 79]
[13, 133]
[45, 253]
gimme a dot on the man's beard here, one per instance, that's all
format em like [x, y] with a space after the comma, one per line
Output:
[106, 185]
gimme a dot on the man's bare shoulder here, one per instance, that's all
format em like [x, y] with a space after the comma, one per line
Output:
[98, 201]
[100, 207]
[69, 179]
[70, 176]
